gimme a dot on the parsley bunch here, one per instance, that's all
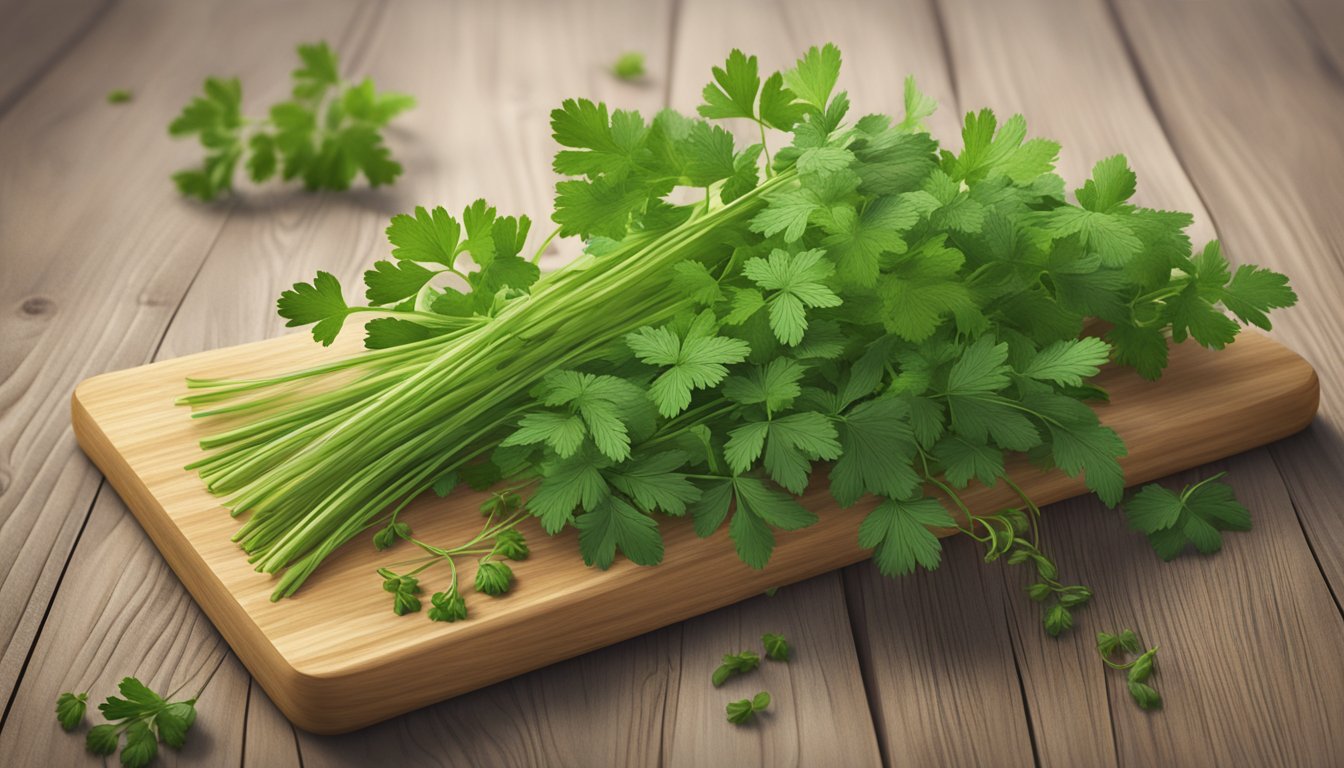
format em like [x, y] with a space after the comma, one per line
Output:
[863, 309]
[326, 134]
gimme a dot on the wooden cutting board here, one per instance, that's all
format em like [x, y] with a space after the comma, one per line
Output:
[335, 658]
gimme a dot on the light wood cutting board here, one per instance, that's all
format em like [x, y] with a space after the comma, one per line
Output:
[335, 658]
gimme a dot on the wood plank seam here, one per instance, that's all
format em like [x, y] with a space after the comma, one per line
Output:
[1309, 33]
[46, 612]
[870, 688]
[54, 59]
[1022, 691]
[1274, 457]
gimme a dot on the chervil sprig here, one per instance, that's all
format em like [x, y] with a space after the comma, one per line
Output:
[1138, 670]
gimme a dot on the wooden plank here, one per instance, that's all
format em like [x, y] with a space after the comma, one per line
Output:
[1067, 70]
[1236, 630]
[34, 35]
[1321, 27]
[1268, 168]
[97, 253]
[604, 708]
[818, 713]
[938, 662]
[122, 613]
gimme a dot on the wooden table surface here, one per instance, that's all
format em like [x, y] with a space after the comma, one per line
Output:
[1228, 109]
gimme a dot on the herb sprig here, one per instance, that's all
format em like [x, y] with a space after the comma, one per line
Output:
[1138, 670]
[326, 134]
[140, 717]
[1195, 516]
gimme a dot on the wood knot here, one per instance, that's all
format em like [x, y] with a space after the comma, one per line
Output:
[37, 305]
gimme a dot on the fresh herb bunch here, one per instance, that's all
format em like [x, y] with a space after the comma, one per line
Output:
[907, 313]
[326, 134]
[144, 717]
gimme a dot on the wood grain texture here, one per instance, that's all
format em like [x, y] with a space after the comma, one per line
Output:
[334, 658]
[276, 237]
[936, 655]
[1096, 106]
[1233, 628]
[97, 253]
[818, 713]
[1272, 179]
[35, 35]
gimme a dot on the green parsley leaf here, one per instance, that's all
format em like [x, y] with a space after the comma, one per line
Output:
[877, 447]
[653, 483]
[797, 283]
[1068, 362]
[102, 739]
[1195, 516]
[70, 709]
[118, 96]
[511, 544]
[693, 362]
[404, 590]
[447, 606]
[759, 509]
[566, 484]
[814, 76]
[320, 302]
[325, 141]
[139, 700]
[614, 524]
[776, 647]
[740, 712]
[427, 236]
[733, 92]
[172, 722]
[141, 745]
[790, 443]
[898, 532]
